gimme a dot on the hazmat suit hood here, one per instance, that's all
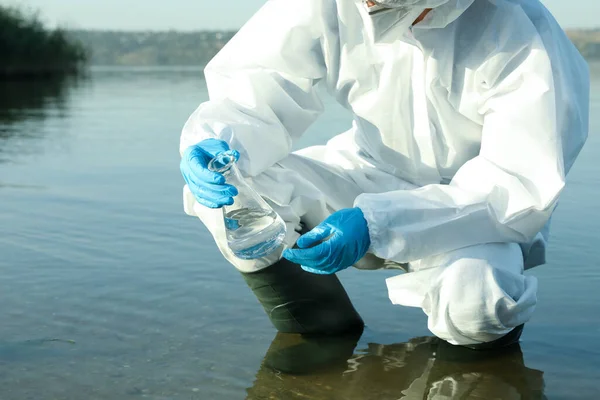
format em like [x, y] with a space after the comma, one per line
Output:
[446, 12]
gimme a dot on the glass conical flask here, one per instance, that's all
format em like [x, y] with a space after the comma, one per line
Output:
[253, 229]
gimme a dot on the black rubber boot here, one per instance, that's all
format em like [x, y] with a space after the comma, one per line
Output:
[300, 302]
[507, 340]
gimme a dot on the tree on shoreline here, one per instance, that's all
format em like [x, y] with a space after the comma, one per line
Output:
[28, 48]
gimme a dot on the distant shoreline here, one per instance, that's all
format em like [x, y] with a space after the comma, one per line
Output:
[97, 48]
[23, 72]
[587, 41]
[173, 48]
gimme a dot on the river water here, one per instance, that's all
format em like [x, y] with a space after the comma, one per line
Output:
[109, 291]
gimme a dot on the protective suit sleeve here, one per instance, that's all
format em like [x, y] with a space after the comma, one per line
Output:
[533, 128]
[262, 84]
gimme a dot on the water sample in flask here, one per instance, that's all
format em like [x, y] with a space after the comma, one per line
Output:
[253, 229]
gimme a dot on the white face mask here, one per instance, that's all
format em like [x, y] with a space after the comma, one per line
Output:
[399, 13]
[377, 8]
[406, 5]
[410, 3]
[402, 16]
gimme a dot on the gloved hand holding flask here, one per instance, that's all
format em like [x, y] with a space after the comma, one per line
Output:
[208, 187]
[334, 245]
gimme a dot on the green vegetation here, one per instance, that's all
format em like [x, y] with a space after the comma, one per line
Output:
[27, 48]
[152, 48]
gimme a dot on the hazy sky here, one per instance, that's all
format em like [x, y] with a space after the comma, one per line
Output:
[217, 14]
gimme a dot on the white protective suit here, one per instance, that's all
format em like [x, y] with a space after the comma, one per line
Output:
[465, 126]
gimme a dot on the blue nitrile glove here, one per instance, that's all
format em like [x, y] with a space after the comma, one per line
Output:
[209, 188]
[341, 240]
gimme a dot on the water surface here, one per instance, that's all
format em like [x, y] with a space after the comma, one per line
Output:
[110, 292]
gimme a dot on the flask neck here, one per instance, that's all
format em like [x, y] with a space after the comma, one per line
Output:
[225, 164]
[233, 177]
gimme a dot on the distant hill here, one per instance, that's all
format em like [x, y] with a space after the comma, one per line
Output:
[151, 48]
[197, 48]
[587, 41]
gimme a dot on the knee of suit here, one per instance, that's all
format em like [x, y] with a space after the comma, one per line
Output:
[473, 302]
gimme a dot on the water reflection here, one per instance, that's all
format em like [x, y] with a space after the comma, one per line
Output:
[31, 100]
[424, 368]
[20, 97]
